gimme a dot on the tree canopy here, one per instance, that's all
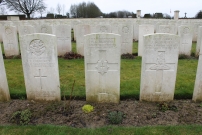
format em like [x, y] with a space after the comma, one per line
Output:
[85, 10]
[199, 14]
[27, 7]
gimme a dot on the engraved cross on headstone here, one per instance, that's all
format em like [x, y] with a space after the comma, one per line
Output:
[102, 67]
[40, 77]
[159, 67]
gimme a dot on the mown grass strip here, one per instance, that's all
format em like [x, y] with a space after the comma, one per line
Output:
[112, 130]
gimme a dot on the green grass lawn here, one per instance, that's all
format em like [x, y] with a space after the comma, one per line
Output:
[71, 70]
[112, 130]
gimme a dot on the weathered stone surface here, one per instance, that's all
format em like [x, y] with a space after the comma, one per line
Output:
[116, 27]
[195, 27]
[63, 34]
[13, 18]
[4, 91]
[176, 15]
[40, 67]
[159, 67]
[10, 41]
[102, 67]
[103, 29]
[185, 33]
[81, 31]
[127, 38]
[170, 29]
[46, 29]
[143, 30]
[199, 40]
[24, 30]
[197, 95]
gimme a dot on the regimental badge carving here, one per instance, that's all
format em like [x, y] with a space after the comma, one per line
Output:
[8, 31]
[37, 47]
[102, 67]
[186, 30]
[125, 29]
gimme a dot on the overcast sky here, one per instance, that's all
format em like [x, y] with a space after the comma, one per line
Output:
[191, 7]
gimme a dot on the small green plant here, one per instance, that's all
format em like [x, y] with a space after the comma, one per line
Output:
[87, 108]
[115, 117]
[21, 117]
[164, 107]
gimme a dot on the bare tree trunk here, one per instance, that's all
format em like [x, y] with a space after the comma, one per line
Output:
[28, 15]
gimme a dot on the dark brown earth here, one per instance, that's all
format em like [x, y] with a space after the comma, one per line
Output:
[136, 113]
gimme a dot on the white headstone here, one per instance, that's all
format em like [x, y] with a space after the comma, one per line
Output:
[127, 38]
[143, 30]
[158, 23]
[176, 15]
[170, 29]
[40, 66]
[102, 67]
[27, 29]
[4, 91]
[136, 29]
[13, 18]
[159, 67]
[199, 41]
[1, 32]
[195, 30]
[81, 31]
[197, 95]
[116, 27]
[138, 14]
[102, 29]
[63, 34]
[47, 29]
[185, 33]
[36, 25]
[10, 41]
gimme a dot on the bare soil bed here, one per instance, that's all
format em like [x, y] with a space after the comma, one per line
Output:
[135, 113]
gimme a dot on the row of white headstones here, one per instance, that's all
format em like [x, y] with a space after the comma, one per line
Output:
[102, 68]
[102, 62]
[63, 34]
